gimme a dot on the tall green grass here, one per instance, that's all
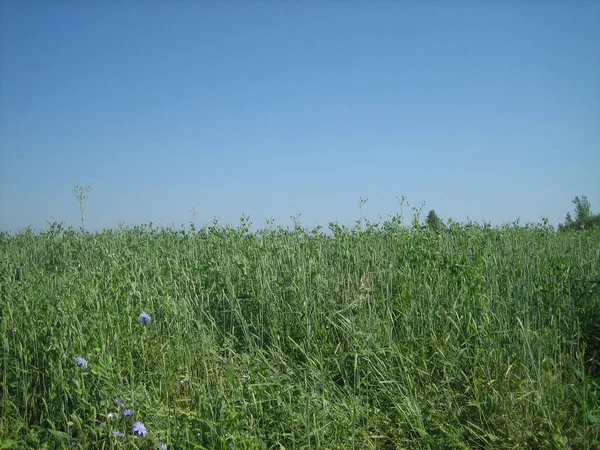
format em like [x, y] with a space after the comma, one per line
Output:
[384, 337]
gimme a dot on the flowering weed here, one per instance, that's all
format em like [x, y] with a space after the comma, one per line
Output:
[81, 362]
[144, 318]
[140, 429]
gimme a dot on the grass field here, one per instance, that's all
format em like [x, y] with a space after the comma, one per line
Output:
[368, 337]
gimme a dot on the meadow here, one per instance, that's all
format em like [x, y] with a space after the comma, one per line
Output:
[375, 336]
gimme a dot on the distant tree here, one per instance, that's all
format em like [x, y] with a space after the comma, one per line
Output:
[583, 209]
[433, 221]
[568, 223]
[593, 221]
[584, 219]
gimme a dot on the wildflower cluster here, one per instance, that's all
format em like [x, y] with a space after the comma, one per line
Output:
[138, 428]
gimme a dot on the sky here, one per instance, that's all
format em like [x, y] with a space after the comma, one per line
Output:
[483, 111]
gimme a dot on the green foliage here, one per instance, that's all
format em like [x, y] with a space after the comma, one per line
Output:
[583, 209]
[375, 336]
[584, 219]
[433, 221]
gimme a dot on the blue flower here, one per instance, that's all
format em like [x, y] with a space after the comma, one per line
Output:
[117, 433]
[119, 402]
[140, 429]
[144, 318]
[163, 446]
[128, 412]
[81, 362]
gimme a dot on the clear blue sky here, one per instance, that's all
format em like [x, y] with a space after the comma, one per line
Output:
[487, 110]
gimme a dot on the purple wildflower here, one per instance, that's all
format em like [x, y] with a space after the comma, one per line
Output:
[119, 402]
[117, 433]
[140, 429]
[128, 412]
[81, 362]
[144, 318]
